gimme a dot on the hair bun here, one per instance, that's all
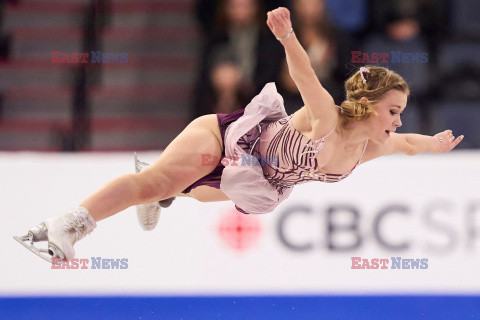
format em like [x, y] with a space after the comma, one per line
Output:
[380, 80]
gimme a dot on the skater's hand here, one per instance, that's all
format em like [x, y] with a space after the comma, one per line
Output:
[446, 141]
[279, 22]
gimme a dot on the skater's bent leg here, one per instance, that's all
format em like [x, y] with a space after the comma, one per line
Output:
[179, 165]
[123, 192]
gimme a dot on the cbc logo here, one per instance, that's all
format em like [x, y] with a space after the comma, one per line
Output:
[437, 227]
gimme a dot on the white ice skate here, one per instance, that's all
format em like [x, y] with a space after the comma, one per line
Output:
[149, 214]
[61, 233]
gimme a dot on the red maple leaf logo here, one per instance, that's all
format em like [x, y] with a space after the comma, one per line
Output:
[239, 231]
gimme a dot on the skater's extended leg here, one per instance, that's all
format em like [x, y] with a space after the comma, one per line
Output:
[177, 168]
[179, 165]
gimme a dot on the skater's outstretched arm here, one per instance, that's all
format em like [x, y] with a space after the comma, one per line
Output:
[318, 102]
[412, 144]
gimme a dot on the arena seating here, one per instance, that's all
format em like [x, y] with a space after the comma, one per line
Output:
[141, 104]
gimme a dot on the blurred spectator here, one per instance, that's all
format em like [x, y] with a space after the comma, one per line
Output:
[350, 16]
[463, 19]
[206, 11]
[352, 19]
[406, 18]
[319, 38]
[238, 59]
[458, 75]
[403, 30]
[226, 81]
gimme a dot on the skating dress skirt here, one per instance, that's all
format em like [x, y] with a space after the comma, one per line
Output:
[244, 183]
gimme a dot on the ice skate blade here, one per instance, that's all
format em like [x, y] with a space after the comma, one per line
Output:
[139, 165]
[42, 253]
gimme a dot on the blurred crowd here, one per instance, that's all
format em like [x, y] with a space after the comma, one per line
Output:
[240, 55]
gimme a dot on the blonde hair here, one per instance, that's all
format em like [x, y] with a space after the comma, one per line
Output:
[378, 81]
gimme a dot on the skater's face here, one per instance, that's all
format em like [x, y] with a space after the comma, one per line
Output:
[387, 120]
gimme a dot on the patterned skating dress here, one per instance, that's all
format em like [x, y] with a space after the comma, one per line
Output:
[272, 155]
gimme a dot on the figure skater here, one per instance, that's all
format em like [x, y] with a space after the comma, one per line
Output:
[319, 142]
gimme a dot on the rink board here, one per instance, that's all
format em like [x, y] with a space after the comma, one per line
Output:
[207, 261]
